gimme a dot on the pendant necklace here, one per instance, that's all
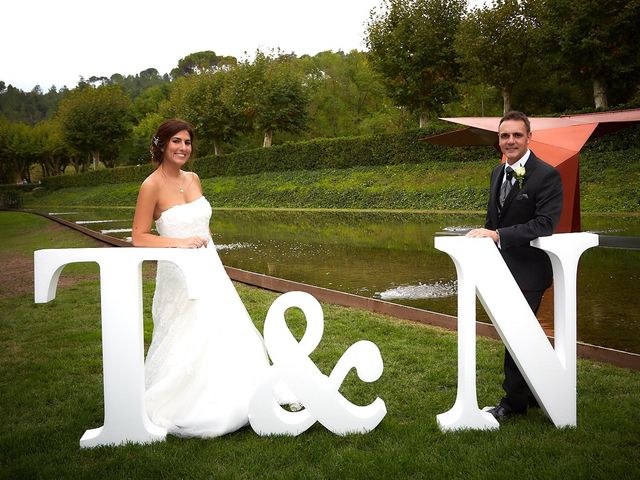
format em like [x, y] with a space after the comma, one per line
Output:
[180, 187]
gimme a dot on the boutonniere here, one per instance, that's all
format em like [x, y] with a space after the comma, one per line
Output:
[519, 174]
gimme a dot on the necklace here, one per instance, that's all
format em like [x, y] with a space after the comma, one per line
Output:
[180, 187]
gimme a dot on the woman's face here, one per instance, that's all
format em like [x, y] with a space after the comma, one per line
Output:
[178, 148]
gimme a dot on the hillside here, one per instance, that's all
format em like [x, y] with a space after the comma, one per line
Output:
[431, 184]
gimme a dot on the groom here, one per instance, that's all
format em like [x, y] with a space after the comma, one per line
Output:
[525, 201]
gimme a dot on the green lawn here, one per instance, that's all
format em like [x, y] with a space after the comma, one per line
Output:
[51, 392]
[426, 186]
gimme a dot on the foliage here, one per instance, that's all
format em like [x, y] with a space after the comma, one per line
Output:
[494, 42]
[347, 96]
[106, 176]
[7, 170]
[603, 163]
[423, 177]
[434, 184]
[10, 199]
[53, 153]
[281, 98]
[149, 101]
[202, 62]
[546, 59]
[597, 41]
[425, 186]
[202, 100]
[28, 107]
[476, 100]
[546, 89]
[132, 85]
[411, 45]
[136, 150]
[18, 150]
[95, 120]
[222, 103]
[330, 153]
[310, 155]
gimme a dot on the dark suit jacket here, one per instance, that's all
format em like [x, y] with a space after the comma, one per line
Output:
[529, 212]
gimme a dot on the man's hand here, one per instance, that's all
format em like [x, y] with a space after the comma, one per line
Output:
[483, 232]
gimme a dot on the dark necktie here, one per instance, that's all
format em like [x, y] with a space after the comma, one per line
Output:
[506, 186]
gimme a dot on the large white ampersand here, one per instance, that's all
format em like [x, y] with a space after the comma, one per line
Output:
[318, 393]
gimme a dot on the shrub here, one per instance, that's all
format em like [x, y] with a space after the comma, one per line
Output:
[389, 149]
[618, 148]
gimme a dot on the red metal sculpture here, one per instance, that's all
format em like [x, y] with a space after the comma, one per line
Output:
[557, 141]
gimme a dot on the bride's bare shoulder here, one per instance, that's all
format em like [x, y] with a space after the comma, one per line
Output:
[195, 179]
[150, 190]
[152, 181]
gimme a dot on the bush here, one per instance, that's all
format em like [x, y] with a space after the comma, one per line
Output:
[99, 177]
[10, 199]
[347, 152]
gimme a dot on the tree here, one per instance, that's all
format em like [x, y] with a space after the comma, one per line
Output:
[494, 43]
[136, 85]
[53, 153]
[281, 99]
[95, 120]
[149, 101]
[18, 151]
[203, 100]
[136, 151]
[411, 44]
[597, 40]
[28, 107]
[201, 62]
[7, 170]
[347, 97]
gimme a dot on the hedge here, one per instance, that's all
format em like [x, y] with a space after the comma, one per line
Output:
[314, 154]
[346, 152]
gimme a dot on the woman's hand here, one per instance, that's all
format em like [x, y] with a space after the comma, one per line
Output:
[193, 242]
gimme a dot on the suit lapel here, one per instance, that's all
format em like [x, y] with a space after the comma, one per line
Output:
[496, 181]
[530, 167]
[494, 207]
[515, 188]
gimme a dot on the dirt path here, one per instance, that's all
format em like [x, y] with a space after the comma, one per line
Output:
[16, 272]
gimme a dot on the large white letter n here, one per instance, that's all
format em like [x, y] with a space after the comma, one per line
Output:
[549, 372]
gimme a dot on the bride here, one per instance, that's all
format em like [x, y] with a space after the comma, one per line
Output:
[206, 356]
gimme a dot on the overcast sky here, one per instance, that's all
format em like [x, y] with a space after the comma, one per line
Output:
[55, 42]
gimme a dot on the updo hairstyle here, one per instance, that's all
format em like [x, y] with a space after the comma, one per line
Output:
[164, 133]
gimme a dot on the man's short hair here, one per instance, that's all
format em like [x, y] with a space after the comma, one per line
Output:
[515, 115]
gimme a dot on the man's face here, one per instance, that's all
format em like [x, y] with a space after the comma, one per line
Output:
[514, 139]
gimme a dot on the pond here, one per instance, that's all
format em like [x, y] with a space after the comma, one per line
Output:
[391, 256]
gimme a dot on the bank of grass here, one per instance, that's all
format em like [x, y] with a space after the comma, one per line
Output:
[407, 186]
[430, 186]
[51, 392]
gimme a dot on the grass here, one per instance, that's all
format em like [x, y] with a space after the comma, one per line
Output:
[51, 392]
[394, 187]
[432, 186]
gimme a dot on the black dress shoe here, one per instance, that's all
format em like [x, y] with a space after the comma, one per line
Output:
[502, 412]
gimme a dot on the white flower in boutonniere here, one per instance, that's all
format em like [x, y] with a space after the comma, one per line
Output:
[519, 174]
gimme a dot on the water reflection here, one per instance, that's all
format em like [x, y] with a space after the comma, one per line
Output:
[391, 256]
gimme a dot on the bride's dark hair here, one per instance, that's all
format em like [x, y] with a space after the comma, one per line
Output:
[165, 131]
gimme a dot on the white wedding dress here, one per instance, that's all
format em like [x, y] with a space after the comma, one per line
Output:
[206, 356]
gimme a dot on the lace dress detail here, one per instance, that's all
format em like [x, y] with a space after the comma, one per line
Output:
[206, 356]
